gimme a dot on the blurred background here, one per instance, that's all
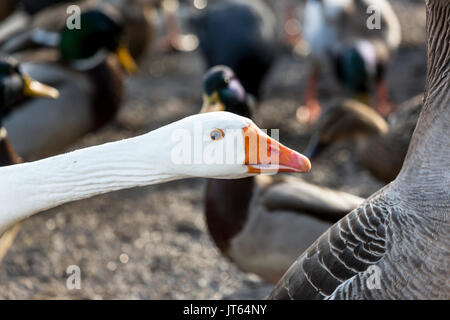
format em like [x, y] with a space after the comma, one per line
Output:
[151, 242]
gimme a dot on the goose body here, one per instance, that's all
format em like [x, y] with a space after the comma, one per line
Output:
[399, 238]
[262, 223]
[90, 84]
[241, 35]
[380, 145]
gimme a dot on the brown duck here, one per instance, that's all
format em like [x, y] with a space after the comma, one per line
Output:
[381, 145]
[396, 245]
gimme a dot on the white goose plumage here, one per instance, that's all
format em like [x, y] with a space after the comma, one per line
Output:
[155, 157]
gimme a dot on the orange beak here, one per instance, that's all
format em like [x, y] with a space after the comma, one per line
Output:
[264, 154]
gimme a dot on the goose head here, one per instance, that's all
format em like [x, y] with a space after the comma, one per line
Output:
[15, 85]
[226, 145]
[222, 91]
[100, 33]
[345, 119]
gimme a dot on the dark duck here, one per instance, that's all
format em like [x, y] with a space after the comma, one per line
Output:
[262, 223]
[240, 35]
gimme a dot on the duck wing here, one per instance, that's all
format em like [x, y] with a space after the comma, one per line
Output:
[299, 196]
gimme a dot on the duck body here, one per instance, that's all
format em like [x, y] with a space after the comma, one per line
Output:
[262, 223]
[240, 35]
[42, 28]
[391, 148]
[333, 25]
[381, 145]
[88, 100]
[89, 77]
[396, 244]
[355, 39]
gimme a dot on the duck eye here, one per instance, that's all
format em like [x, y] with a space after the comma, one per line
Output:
[216, 134]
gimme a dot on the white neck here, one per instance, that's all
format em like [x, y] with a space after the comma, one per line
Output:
[29, 188]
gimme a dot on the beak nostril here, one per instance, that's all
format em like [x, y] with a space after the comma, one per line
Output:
[271, 157]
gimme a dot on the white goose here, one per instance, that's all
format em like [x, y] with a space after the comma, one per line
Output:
[213, 145]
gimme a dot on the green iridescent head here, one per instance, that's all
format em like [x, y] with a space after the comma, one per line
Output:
[100, 32]
[353, 71]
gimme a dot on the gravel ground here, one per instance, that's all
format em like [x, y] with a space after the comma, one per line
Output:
[151, 243]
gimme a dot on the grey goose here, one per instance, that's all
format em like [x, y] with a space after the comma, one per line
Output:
[402, 232]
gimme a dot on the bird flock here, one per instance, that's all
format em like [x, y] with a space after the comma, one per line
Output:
[59, 83]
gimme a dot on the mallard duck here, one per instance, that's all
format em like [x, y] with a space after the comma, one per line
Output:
[86, 72]
[14, 87]
[241, 35]
[396, 244]
[262, 223]
[28, 188]
[345, 36]
[40, 30]
[380, 145]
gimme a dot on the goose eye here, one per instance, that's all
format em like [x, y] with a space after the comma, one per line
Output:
[217, 134]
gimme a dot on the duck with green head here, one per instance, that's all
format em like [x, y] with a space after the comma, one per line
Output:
[15, 87]
[86, 69]
[42, 29]
[262, 223]
[340, 36]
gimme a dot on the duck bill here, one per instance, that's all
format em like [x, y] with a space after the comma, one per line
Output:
[264, 154]
[33, 88]
[211, 105]
[126, 60]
